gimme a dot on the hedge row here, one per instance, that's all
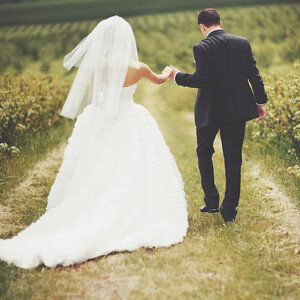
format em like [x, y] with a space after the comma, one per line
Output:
[28, 103]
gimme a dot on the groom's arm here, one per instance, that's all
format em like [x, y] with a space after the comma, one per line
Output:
[200, 75]
[255, 79]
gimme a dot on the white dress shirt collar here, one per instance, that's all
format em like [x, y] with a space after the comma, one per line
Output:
[209, 32]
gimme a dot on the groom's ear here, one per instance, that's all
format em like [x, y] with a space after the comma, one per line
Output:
[202, 28]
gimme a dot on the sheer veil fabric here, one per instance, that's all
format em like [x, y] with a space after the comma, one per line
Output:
[103, 58]
[118, 187]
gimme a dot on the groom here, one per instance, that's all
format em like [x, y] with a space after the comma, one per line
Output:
[224, 67]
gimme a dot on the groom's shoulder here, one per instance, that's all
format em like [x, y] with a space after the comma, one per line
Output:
[206, 43]
[202, 45]
[237, 38]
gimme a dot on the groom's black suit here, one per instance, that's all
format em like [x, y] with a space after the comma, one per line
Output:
[225, 101]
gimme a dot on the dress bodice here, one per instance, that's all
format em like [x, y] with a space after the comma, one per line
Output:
[128, 92]
[126, 99]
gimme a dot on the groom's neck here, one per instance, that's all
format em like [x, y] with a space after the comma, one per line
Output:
[211, 29]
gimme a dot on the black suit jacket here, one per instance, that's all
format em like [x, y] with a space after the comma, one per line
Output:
[224, 67]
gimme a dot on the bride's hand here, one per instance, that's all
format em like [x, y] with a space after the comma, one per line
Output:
[167, 72]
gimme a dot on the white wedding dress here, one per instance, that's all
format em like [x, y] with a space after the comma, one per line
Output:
[118, 188]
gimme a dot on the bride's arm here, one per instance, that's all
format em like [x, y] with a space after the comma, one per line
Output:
[146, 72]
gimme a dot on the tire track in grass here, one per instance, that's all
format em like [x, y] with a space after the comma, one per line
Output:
[26, 202]
[204, 266]
[263, 203]
[283, 211]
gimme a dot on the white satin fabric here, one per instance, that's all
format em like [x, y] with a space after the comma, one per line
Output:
[118, 188]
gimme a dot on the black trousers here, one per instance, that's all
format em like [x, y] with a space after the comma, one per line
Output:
[232, 136]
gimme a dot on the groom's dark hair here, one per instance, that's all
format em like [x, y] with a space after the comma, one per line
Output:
[209, 17]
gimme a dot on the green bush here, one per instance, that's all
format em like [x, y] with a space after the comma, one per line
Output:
[28, 103]
[281, 128]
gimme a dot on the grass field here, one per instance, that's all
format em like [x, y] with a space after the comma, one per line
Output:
[258, 257]
[40, 48]
[255, 258]
[272, 44]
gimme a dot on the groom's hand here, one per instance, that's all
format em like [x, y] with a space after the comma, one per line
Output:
[261, 111]
[174, 72]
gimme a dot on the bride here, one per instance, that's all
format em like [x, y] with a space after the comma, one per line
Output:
[118, 187]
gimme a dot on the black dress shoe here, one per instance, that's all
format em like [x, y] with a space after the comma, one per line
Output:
[207, 209]
[228, 215]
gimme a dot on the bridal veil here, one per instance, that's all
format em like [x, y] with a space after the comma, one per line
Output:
[102, 59]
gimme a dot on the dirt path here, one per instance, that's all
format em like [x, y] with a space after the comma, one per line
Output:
[29, 193]
[283, 211]
[214, 262]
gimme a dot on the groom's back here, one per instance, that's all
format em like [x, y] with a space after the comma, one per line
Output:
[224, 67]
[228, 58]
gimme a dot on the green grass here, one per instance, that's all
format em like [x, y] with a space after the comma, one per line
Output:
[272, 45]
[33, 147]
[255, 258]
[276, 160]
[251, 259]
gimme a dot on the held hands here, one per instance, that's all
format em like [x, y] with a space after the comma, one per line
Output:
[169, 72]
[174, 71]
